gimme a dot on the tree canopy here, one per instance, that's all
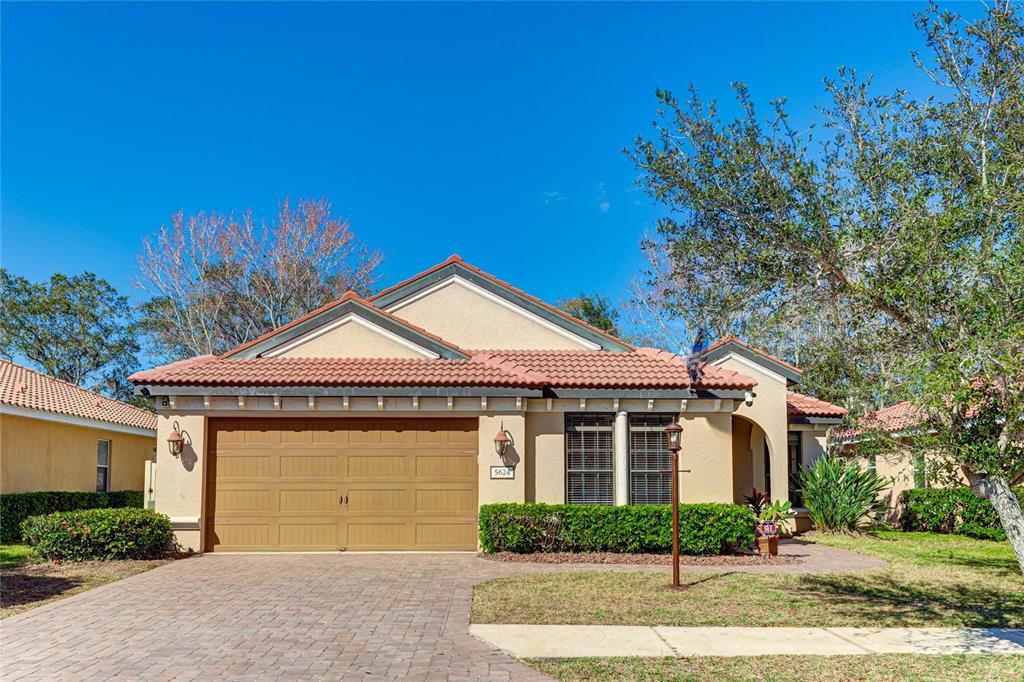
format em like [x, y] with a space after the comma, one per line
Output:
[77, 328]
[594, 309]
[882, 250]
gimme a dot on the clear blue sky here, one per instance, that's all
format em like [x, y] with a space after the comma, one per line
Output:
[490, 130]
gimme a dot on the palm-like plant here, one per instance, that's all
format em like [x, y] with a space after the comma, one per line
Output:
[841, 497]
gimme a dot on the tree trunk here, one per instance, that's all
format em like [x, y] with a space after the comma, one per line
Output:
[997, 490]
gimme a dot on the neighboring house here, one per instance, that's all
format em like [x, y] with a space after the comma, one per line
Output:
[376, 423]
[58, 436]
[906, 469]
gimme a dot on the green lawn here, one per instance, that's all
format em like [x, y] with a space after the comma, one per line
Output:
[14, 555]
[932, 580]
[886, 668]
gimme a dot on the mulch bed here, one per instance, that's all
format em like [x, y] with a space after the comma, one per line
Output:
[613, 558]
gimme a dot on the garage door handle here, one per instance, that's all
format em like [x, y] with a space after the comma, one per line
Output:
[343, 499]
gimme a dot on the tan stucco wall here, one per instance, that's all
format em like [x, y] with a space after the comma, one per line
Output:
[707, 453]
[38, 455]
[470, 320]
[351, 340]
[179, 481]
[768, 411]
[742, 460]
[545, 457]
[502, 490]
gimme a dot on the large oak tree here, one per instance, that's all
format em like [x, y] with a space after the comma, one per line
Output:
[882, 250]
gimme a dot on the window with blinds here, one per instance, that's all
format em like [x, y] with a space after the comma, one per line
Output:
[589, 459]
[650, 462]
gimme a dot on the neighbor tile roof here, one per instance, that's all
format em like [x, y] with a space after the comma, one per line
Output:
[894, 418]
[27, 388]
[646, 368]
[799, 405]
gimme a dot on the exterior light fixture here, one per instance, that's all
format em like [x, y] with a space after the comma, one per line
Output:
[502, 441]
[175, 441]
[674, 437]
[674, 434]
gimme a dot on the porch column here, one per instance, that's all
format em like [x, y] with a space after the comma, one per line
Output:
[620, 447]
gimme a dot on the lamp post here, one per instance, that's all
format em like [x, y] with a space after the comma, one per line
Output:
[673, 434]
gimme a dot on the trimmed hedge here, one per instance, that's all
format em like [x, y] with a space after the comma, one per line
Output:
[703, 528]
[85, 534]
[952, 510]
[16, 507]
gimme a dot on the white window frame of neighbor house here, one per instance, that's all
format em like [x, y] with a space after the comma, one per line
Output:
[100, 466]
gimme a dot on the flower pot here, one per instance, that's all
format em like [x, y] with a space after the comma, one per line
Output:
[768, 545]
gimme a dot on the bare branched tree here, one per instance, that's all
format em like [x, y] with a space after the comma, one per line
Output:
[218, 281]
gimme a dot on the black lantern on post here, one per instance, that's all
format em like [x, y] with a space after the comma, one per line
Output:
[674, 436]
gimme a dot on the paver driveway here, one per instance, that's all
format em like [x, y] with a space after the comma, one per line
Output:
[299, 616]
[287, 616]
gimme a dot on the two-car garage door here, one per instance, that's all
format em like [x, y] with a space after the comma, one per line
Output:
[357, 484]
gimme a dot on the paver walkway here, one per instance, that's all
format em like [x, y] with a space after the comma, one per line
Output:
[293, 616]
[572, 641]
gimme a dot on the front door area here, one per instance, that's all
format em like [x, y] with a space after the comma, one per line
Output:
[327, 484]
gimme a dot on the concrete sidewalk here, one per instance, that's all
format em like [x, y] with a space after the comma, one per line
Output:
[574, 641]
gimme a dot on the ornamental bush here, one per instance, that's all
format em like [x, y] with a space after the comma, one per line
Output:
[703, 528]
[841, 496]
[16, 507]
[104, 534]
[951, 510]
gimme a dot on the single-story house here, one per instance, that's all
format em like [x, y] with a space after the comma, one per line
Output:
[384, 423]
[58, 436]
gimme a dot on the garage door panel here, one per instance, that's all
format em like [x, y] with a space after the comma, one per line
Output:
[322, 500]
[452, 535]
[446, 466]
[388, 464]
[394, 499]
[241, 466]
[321, 484]
[309, 465]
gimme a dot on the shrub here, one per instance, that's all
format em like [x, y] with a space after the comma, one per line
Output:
[703, 528]
[16, 507]
[951, 510]
[841, 496]
[85, 534]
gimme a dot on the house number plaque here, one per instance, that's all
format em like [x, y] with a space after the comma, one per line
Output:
[502, 472]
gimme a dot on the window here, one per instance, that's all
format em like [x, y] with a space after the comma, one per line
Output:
[102, 466]
[795, 465]
[589, 460]
[650, 462]
[920, 476]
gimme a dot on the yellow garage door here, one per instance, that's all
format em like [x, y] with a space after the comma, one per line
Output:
[357, 484]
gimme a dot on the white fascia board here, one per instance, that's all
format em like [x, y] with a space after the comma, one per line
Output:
[43, 415]
[752, 365]
[459, 281]
[342, 321]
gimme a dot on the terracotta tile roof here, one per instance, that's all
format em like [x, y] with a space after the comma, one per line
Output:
[799, 405]
[27, 388]
[894, 418]
[363, 372]
[729, 338]
[646, 368]
[349, 296]
[455, 258]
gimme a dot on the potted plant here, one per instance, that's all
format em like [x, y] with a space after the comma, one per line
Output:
[769, 526]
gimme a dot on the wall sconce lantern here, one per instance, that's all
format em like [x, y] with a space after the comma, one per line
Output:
[175, 441]
[502, 441]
